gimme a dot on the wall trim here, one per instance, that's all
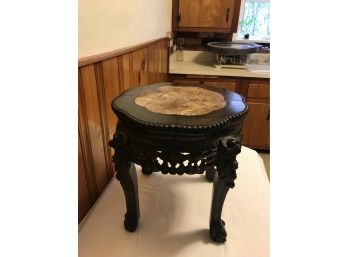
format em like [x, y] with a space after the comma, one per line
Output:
[107, 55]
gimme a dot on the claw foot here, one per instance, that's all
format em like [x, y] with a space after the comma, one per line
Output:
[130, 222]
[146, 172]
[218, 232]
[209, 175]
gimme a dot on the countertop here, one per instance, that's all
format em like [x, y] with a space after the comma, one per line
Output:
[202, 63]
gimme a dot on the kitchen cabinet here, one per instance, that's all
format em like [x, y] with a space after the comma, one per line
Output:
[256, 126]
[231, 85]
[256, 91]
[219, 16]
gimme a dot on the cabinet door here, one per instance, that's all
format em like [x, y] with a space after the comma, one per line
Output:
[231, 85]
[205, 14]
[259, 90]
[222, 13]
[256, 126]
[228, 85]
[188, 15]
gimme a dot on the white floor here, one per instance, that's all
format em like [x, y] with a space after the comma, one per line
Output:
[266, 160]
[174, 217]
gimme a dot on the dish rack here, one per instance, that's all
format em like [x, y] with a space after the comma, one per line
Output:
[252, 62]
[231, 61]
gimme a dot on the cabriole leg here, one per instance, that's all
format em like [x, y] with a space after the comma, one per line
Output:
[126, 174]
[226, 169]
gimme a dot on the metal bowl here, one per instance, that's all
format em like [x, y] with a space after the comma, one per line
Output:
[230, 48]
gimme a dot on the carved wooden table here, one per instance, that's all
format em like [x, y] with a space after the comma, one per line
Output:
[178, 129]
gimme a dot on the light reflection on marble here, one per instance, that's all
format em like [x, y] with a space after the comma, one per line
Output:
[189, 100]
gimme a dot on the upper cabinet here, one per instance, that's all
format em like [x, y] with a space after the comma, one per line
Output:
[220, 16]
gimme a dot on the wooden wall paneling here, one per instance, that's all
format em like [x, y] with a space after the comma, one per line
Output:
[103, 110]
[99, 84]
[160, 60]
[139, 58]
[112, 88]
[156, 64]
[125, 71]
[152, 64]
[85, 142]
[84, 200]
[159, 64]
[94, 121]
[165, 59]
[118, 52]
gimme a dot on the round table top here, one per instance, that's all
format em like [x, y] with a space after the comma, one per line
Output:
[175, 105]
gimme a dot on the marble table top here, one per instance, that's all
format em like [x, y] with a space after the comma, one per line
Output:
[180, 100]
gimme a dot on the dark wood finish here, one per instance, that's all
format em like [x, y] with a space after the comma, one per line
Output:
[210, 174]
[219, 16]
[127, 177]
[98, 84]
[157, 142]
[227, 165]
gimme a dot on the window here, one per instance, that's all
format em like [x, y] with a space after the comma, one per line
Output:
[254, 20]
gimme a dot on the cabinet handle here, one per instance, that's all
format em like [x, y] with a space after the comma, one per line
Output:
[143, 64]
[178, 17]
[227, 14]
[268, 115]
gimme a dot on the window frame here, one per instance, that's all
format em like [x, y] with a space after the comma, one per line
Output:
[236, 36]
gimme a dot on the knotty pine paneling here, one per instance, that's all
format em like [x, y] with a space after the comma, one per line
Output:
[125, 65]
[99, 83]
[112, 89]
[139, 68]
[94, 124]
[157, 62]
[84, 196]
